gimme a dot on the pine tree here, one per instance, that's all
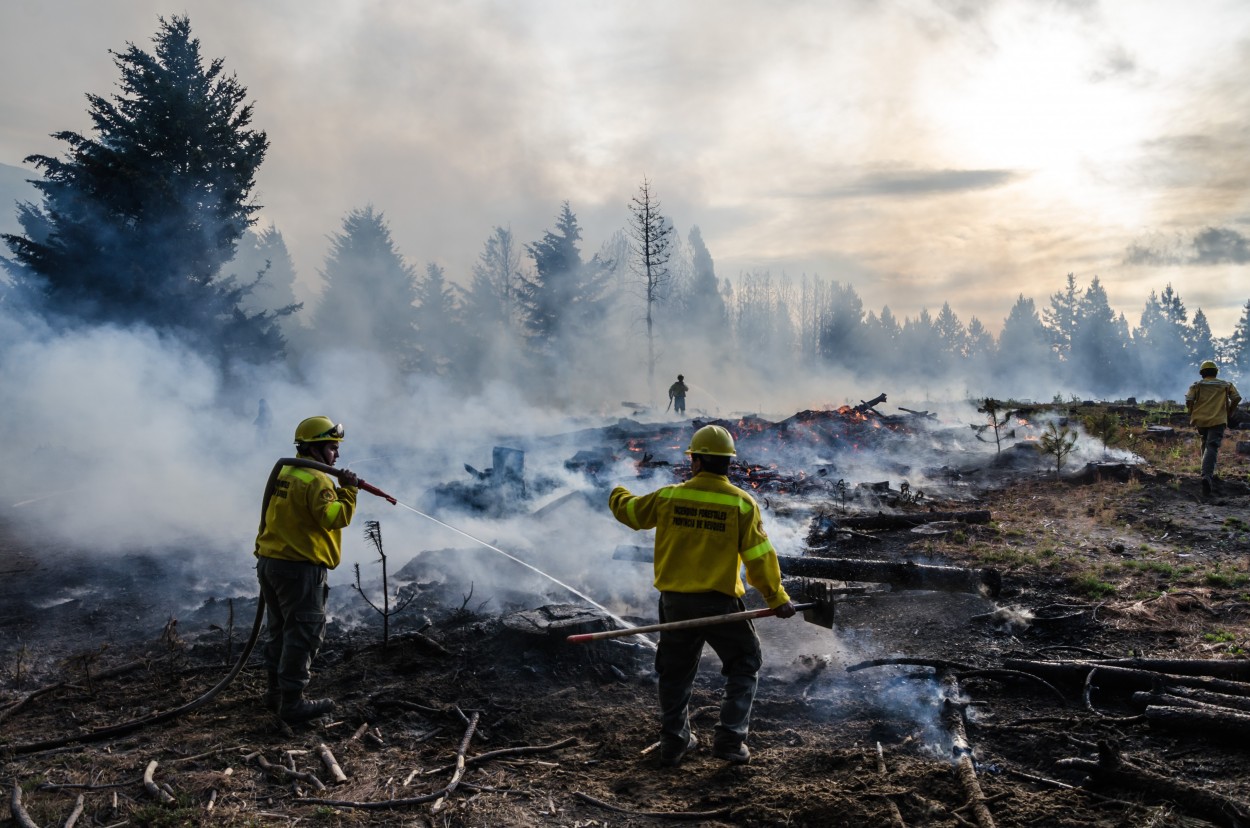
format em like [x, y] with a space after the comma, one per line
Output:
[490, 308]
[952, 333]
[370, 295]
[440, 333]
[563, 298]
[1024, 349]
[264, 259]
[1098, 348]
[1161, 342]
[1239, 346]
[1061, 317]
[704, 305]
[138, 218]
[1200, 340]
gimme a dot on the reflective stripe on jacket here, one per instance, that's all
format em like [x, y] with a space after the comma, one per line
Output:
[305, 518]
[706, 529]
[1210, 401]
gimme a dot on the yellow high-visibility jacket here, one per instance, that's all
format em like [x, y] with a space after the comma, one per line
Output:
[1210, 401]
[706, 529]
[305, 518]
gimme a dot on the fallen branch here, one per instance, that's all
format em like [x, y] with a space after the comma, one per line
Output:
[719, 812]
[153, 789]
[464, 748]
[280, 771]
[1111, 770]
[1219, 675]
[332, 764]
[961, 751]
[110, 673]
[937, 664]
[896, 816]
[1089, 704]
[76, 812]
[995, 673]
[515, 751]
[1204, 697]
[19, 813]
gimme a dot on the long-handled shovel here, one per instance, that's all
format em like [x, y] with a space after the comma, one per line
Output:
[815, 612]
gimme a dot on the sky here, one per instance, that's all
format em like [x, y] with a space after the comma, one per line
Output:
[922, 151]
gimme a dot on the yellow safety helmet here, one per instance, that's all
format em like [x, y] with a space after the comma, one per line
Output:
[318, 430]
[713, 440]
[1208, 365]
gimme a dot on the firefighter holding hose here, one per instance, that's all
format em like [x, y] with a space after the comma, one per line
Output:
[300, 540]
[706, 529]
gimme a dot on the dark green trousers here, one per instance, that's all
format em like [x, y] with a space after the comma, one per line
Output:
[295, 596]
[677, 663]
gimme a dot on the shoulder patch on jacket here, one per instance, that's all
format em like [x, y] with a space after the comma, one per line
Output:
[326, 496]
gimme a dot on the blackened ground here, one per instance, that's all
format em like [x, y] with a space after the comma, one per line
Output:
[1146, 567]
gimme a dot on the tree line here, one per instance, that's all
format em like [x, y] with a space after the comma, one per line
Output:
[150, 220]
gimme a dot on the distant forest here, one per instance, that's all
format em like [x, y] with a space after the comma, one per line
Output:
[149, 221]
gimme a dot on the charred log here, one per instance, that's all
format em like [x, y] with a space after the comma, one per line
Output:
[902, 521]
[1213, 721]
[869, 405]
[903, 576]
[961, 752]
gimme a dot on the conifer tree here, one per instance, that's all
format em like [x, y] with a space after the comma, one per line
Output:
[1024, 349]
[1239, 346]
[704, 305]
[138, 217]
[370, 294]
[439, 331]
[564, 296]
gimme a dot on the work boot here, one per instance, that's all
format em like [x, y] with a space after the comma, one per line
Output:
[273, 694]
[1206, 486]
[672, 754]
[296, 708]
[739, 754]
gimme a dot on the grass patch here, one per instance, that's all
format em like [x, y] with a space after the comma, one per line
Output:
[1095, 587]
[1226, 579]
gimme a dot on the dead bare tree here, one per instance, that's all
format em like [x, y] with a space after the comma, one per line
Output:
[651, 234]
[991, 407]
[373, 533]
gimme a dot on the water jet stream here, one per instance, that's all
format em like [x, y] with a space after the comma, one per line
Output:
[529, 566]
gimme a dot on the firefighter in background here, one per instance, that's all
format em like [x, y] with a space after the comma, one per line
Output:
[300, 540]
[706, 529]
[677, 395]
[1210, 403]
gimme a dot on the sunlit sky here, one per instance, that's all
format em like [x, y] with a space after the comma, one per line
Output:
[921, 150]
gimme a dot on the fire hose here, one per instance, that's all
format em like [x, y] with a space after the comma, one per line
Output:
[195, 704]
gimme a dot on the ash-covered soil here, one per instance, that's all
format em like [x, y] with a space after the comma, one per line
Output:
[1140, 567]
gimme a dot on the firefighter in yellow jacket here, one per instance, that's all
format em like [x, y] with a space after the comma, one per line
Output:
[1210, 402]
[300, 540]
[706, 529]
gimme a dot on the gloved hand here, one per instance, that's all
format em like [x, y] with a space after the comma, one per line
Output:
[348, 479]
[786, 610]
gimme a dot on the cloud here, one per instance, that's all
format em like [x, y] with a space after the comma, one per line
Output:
[910, 183]
[1209, 246]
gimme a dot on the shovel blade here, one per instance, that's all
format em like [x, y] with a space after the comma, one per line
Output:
[820, 595]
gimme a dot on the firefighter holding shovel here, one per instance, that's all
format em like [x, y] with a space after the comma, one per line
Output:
[300, 540]
[706, 529]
